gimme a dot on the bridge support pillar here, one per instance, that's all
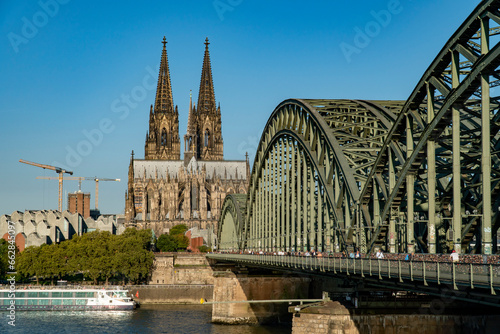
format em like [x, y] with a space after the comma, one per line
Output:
[229, 286]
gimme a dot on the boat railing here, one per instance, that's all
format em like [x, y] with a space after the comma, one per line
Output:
[68, 287]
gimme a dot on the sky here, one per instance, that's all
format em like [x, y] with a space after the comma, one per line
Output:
[77, 77]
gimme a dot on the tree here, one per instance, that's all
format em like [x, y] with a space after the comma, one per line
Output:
[172, 243]
[181, 241]
[133, 258]
[178, 229]
[4, 258]
[204, 249]
[166, 243]
[30, 262]
[98, 255]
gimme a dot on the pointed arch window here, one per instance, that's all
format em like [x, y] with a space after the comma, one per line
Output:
[207, 137]
[163, 137]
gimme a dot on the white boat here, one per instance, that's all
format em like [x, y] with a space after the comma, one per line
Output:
[66, 299]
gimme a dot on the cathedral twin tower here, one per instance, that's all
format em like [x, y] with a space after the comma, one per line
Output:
[203, 139]
[164, 190]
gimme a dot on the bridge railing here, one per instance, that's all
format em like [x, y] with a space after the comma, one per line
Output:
[456, 274]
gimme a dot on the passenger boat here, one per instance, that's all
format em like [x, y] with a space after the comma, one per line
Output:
[66, 299]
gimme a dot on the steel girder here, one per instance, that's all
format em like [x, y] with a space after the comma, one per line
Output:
[313, 159]
[229, 228]
[444, 183]
[421, 174]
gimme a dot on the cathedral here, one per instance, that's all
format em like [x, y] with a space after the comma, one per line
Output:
[165, 190]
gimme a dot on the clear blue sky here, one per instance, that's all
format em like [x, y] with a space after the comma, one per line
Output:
[65, 70]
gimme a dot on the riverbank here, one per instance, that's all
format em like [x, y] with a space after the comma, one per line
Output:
[171, 293]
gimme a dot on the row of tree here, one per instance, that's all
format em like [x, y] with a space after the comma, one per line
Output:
[97, 255]
[173, 241]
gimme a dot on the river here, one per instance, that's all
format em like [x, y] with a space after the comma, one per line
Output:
[175, 319]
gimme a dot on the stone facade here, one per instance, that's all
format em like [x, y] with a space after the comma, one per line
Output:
[171, 294]
[35, 228]
[164, 190]
[229, 286]
[184, 269]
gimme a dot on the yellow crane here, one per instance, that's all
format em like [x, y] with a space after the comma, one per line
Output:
[58, 170]
[80, 179]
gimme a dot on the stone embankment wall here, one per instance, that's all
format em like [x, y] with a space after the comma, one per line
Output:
[171, 294]
[177, 278]
[179, 268]
[333, 318]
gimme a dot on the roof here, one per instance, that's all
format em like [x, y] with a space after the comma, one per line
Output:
[234, 169]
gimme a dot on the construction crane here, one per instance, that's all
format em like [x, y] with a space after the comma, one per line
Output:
[80, 179]
[58, 170]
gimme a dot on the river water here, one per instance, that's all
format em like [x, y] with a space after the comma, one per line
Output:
[175, 319]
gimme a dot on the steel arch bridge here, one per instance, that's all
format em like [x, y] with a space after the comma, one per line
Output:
[421, 174]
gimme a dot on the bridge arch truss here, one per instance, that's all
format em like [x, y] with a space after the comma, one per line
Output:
[421, 174]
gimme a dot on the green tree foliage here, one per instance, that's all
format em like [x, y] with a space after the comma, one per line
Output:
[174, 241]
[181, 241]
[133, 258]
[204, 249]
[98, 255]
[166, 243]
[178, 229]
[29, 262]
[4, 259]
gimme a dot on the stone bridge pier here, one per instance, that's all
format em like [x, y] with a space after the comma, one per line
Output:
[242, 284]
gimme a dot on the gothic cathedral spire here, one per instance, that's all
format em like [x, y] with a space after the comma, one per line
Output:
[210, 145]
[191, 137]
[162, 141]
[164, 101]
[130, 195]
[206, 96]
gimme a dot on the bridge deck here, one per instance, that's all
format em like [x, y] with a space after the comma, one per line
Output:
[470, 282]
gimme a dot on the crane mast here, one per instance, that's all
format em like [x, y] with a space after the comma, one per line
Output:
[80, 179]
[58, 170]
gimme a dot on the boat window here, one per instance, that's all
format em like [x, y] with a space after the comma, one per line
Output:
[20, 301]
[81, 302]
[32, 301]
[43, 302]
[68, 294]
[80, 294]
[67, 301]
[6, 301]
[19, 294]
[32, 294]
[90, 294]
[43, 295]
[56, 301]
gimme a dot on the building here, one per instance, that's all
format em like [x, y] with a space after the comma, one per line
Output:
[35, 228]
[79, 202]
[199, 237]
[165, 190]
